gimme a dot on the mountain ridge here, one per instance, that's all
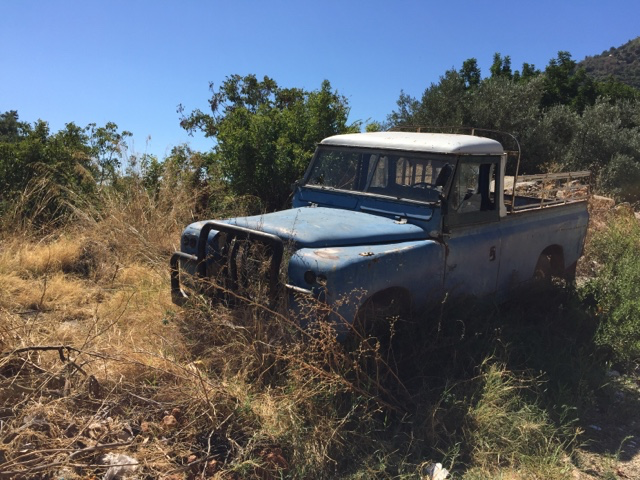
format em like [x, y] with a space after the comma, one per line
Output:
[622, 63]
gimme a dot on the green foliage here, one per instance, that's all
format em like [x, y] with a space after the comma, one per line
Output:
[11, 129]
[621, 178]
[529, 71]
[470, 73]
[444, 103]
[45, 177]
[616, 288]
[604, 139]
[51, 173]
[374, 127]
[266, 134]
[614, 89]
[501, 67]
[108, 147]
[566, 84]
[563, 118]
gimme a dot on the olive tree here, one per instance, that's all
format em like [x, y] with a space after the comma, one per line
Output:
[266, 134]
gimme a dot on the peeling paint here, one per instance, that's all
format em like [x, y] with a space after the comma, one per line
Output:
[327, 253]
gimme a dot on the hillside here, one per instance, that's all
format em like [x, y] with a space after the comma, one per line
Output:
[623, 63]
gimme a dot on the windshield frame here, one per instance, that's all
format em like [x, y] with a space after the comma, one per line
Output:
[393, 158]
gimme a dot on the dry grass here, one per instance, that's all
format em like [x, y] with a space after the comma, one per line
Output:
[96, 359]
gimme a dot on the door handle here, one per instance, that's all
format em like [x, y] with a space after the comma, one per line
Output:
[492, 254]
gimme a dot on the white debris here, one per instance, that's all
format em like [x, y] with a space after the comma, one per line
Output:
[121, 465]
[436, 472]
[595, 427]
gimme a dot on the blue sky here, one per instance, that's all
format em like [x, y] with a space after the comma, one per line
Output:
[132, 62]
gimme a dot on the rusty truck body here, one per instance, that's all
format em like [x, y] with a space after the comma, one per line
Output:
[404, 217]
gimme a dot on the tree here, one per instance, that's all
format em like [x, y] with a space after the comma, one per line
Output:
[374, 127]
[43, 174]
[267, 134]
[407, 110]
[621, 178]
[568, 84]
[529, 71]
[470, 73]
[562, 118]
[109, 148]
[442, 104]
[501, 67]
[11, 129]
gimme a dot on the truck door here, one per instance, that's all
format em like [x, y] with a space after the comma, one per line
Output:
[472, 226]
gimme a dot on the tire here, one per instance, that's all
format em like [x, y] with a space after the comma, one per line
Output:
[542, 272]
[377, 322]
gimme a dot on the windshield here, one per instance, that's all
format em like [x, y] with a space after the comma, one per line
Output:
[399, 175]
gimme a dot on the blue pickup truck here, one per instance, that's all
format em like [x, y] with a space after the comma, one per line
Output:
[392, 219]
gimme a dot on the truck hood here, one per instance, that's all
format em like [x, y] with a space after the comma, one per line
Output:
[314, 227]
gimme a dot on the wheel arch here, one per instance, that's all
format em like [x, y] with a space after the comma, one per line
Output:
[555, 253]
[387, 296]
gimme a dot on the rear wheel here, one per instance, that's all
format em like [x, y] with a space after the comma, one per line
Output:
[542, 272]
[550, 268]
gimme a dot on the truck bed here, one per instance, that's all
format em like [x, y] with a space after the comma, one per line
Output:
[529, 192]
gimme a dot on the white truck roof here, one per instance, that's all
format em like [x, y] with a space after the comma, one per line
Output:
[419, 142]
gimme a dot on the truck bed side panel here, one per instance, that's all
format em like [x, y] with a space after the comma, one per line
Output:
[526, 234]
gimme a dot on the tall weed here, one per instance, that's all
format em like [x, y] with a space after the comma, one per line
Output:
[615, 290]
[506, 428]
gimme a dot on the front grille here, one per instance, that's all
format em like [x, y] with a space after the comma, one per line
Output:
[245, 268]
[243, 264]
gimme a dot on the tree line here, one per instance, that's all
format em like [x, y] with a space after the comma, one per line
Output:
[265, 135]
[563, 119]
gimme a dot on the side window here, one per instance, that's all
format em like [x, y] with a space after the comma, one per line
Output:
[473, 189]
[465, 193]
[380, 174]
[412, 171]
[403, 171]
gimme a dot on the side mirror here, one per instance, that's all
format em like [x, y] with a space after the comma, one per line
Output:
[296, 184]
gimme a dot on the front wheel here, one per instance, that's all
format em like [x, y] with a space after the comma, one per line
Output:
[377, 324]
[378, 341]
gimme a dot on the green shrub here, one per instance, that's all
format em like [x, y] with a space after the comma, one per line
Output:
[621, 178]
[616, 288]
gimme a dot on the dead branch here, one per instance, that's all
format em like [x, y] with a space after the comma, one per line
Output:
[44, 348]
